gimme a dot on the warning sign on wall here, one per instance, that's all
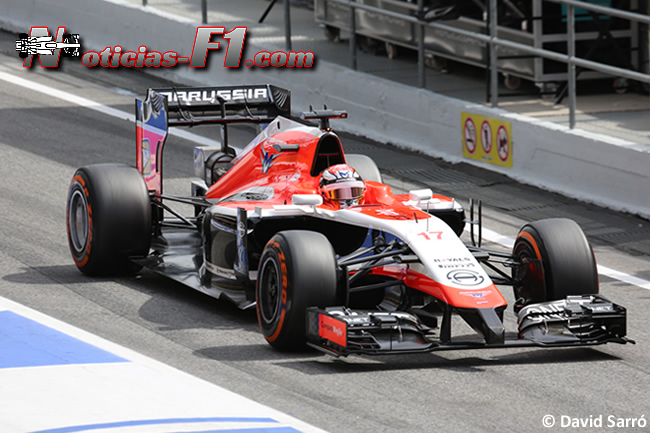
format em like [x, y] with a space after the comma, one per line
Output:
[487, 139]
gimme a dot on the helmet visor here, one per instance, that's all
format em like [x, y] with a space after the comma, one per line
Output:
[344, 190]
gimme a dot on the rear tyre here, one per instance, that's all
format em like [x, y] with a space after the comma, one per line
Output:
[332, 34]
[297, 270]
[365, 166]
[512, 82]
[557, 261]
[108, 219]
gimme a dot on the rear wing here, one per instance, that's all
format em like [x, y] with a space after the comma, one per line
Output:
[188, 106]
[227, 104]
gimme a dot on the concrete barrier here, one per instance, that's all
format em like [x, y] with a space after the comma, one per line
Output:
[604, 170]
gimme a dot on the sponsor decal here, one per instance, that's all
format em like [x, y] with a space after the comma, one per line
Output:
[454, 263]
[360, 320]
[213, 96]
[219, 271]
[255, 193]
[542, 312]
[146, 157]
[268, 160]
[390, 213]
[457, 266]
[477, 294]
[453, 259]
[602, 309]
[151, 132]
[465, 277]
[333, 330]
[216, 224]
[241, 264]
[241, 229]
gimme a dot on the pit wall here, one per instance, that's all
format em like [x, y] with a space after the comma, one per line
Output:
[607, 171]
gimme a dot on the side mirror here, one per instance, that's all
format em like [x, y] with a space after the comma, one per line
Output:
[307, 199]
[420, 194]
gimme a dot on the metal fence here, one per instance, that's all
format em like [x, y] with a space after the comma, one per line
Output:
[491, 39]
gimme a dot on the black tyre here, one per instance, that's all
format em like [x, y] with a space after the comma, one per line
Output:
[365, 166]
[558, 262]
[332, 34]
[108, 218]
[512, 82]
[297, 270]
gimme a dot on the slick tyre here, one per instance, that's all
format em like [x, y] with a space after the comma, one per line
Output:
[108, 219]
[568, 265]
[297, 270]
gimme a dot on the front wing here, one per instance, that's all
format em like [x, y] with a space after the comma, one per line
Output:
[576, 321]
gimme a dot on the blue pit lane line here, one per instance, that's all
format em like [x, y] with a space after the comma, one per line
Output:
[26, 343]
[117, 425]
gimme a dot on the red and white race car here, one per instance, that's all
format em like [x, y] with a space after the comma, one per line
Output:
[327, 253]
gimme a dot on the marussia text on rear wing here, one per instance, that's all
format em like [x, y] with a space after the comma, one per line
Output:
[226, 104]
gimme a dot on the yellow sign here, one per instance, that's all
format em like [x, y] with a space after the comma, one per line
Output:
[487, 139]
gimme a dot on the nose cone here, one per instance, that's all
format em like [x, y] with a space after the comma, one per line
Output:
[488, 322]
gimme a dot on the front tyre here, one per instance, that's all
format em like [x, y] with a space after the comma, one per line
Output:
[108, 218]
[556, 261]
[297, 270]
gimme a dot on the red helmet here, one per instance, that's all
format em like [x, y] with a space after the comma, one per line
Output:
[342, 183]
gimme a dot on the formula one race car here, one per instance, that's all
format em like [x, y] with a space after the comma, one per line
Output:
[327, 254]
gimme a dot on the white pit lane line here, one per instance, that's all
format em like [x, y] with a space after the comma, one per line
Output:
[84, 102]
[87, 103]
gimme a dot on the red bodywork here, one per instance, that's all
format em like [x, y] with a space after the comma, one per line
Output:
[290, 172]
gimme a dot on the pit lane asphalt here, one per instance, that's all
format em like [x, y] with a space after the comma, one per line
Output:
[43, 140]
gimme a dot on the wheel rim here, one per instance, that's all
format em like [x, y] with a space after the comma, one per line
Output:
[523, 251]
[270, 295]
[78, 221]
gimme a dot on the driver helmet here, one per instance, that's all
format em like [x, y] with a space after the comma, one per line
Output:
[342, 184]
